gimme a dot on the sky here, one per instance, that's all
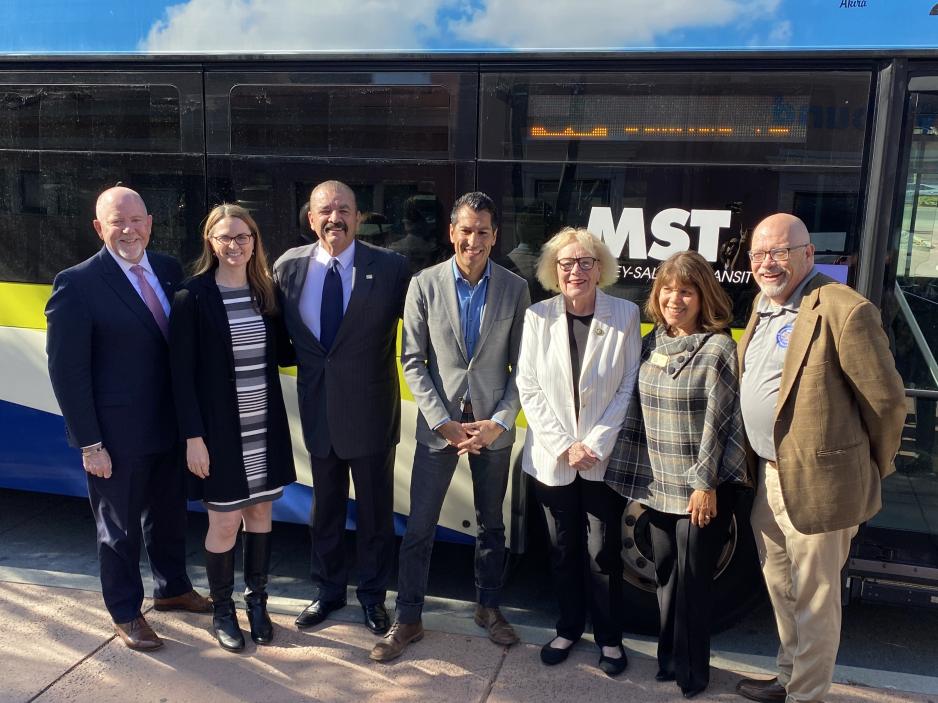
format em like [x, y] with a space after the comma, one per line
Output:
[220, 26]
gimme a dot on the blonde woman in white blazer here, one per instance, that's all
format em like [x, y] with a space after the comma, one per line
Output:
[580, 353]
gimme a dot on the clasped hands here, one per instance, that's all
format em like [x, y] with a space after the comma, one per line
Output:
[470, 437]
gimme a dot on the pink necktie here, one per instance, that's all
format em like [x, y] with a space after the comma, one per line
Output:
[149, 297]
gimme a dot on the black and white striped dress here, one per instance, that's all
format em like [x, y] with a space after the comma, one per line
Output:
[249, 348]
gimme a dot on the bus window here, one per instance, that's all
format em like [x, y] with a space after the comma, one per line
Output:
[365, 115]
[68, 136]
[775, 119]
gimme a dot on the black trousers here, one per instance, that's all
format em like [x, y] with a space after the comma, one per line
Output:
[373, 477]
[685, 560]
[144, 499]
[584, 519]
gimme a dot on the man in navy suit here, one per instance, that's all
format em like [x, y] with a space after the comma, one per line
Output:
[109, 365]
[342, 300]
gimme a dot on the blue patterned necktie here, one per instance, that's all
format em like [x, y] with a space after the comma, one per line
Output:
[330, 314]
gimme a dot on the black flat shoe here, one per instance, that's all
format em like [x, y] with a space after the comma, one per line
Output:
[551, 655]
[316, 612]
[663, 675]
[613, 667]
[691, 692]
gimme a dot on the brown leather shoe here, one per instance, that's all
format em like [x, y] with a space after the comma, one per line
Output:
[770, 691]
[399, 636]
[137, 634]
[190, 602]
[500, 632]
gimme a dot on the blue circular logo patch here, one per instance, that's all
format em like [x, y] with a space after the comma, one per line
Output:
[783, 336]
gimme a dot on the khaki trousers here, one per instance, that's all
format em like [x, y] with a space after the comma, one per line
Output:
[802, 574]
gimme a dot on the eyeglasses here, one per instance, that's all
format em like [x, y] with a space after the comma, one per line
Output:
[780, 254]
[241, 239]
[585, 262]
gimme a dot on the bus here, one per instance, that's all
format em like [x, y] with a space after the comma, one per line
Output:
[654, 152]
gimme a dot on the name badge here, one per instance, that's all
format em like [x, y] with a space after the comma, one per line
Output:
[659, 359]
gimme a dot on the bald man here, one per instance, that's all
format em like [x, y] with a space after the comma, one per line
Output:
[823, 408]
[109, 365]
[342, 300]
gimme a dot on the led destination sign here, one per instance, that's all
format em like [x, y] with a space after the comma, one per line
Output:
[732, 118]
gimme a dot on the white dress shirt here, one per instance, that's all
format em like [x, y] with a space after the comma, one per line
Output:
[311, 297]
[148, 273]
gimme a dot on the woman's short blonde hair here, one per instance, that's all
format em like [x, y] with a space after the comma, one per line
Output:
[547, 262]
[690, 268]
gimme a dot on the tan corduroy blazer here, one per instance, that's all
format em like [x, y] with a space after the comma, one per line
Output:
[840, 412]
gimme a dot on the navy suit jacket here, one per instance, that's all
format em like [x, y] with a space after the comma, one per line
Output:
[108, 359]
[349, 396]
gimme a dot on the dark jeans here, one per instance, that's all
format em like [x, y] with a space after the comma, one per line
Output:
[584, 519]
[685, 559]
[432, 473]
[373, 476]
[143, 500]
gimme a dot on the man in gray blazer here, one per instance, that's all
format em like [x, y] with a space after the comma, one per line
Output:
[341, 302]
[462, 333]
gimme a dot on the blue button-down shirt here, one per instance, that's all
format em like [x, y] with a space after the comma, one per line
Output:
[471, 301]
[471, 305]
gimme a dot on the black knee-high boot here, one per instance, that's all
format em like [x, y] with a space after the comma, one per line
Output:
[220, 571]
[256, 566]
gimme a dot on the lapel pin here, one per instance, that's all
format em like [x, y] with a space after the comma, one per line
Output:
[369, 276]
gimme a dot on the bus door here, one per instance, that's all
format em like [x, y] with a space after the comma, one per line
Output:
[899, 547]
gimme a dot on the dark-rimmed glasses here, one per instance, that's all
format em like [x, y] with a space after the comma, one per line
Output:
[779, 254]
[585, 262]
[240, 239]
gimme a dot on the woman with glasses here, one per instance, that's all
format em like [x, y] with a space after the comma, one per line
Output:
[226, 340]
[576, 372]
[680, 451]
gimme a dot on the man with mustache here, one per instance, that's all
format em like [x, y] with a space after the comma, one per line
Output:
[823, 409]
[342, 300]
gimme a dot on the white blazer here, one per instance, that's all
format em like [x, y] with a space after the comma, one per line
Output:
[545, 384]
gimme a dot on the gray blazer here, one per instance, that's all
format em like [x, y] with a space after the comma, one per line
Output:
[349, 397]
[434, 356]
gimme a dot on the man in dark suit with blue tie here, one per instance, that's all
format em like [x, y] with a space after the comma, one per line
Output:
[109, 365]
[342, 300]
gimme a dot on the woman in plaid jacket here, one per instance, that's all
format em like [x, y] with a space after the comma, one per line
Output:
[680, 446]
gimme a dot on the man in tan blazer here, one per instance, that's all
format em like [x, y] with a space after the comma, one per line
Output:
[823, 408]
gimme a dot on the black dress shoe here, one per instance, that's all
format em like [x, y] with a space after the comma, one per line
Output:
[691, 692]
[376, 618]
[663, 675]
[613, 667]
[770, 691]
[316, 612]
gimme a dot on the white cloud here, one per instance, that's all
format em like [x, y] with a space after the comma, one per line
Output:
[293, 25]
[598, 23]
[412, 25]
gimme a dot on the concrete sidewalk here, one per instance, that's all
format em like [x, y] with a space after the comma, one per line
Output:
[56, 645]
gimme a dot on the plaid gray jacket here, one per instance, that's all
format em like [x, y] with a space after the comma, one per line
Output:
[683, 430]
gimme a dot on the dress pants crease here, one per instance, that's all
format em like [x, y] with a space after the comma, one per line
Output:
[373, 477]
[142, 501]
[803, 577]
